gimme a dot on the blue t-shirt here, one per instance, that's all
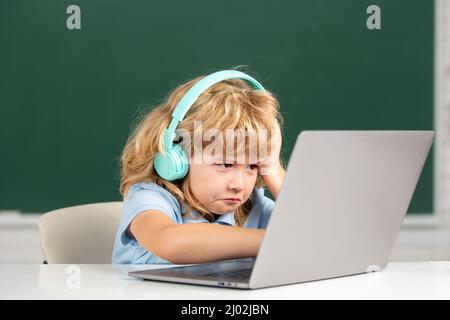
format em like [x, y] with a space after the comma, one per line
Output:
[150, 196]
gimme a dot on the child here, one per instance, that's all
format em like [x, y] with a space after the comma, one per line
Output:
[218, 210]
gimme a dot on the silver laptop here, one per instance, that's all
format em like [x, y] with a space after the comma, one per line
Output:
[338, 212]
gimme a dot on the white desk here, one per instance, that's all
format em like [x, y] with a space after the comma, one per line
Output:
[399, 280]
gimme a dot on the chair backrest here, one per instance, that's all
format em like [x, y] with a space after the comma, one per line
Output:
[80, 234]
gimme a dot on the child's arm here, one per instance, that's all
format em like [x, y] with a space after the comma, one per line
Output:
[275, 180]
[193, 242]
[271, 170]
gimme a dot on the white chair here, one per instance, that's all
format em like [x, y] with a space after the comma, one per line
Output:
[80, 234]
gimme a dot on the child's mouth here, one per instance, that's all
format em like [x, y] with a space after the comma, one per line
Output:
[234, 200]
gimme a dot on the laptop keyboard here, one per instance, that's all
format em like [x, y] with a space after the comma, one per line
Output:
[233, 275]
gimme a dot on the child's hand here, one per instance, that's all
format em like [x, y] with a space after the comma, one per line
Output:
[271, 164]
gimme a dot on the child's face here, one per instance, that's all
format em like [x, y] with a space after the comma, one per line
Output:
[216, 182]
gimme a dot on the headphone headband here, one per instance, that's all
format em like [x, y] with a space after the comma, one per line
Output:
[192, 95]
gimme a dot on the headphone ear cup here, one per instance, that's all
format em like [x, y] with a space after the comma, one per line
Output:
[164, 165]
[183, 161]
[172, 165]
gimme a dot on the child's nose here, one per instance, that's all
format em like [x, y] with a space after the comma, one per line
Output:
[237, 180]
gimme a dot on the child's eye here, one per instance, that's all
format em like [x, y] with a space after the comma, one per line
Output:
[224, 165]
[253, 167]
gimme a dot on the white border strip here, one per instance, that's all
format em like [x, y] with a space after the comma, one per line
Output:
[441, 162]
[441, 171]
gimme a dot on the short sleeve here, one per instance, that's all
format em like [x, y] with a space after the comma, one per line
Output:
[142, 200]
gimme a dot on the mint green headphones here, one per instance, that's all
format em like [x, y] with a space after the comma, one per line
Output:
[173, 163]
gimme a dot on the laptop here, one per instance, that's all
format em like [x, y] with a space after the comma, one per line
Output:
[338, 212]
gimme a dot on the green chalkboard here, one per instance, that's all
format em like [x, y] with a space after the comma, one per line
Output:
[69, 97]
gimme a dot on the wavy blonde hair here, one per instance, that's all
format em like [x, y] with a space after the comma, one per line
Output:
[230, 104]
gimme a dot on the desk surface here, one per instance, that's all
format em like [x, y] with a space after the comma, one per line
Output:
[399, 280]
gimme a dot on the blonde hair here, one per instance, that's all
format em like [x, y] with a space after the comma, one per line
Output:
[227, 104]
